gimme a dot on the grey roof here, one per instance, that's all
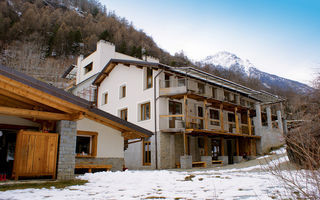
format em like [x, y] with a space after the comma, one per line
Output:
[198, 74]
[47, 88]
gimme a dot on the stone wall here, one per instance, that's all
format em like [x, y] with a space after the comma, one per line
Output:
[117, 163]
[67, 145]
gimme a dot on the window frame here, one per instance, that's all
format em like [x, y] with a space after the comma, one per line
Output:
[93, 141]
[123, 91]
[88, 68]
[147, 84]
[126, 113]
[143, 112]
[146, 158]
[105, 97]
[212, 119]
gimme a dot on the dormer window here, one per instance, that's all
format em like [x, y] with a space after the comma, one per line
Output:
[88, 68]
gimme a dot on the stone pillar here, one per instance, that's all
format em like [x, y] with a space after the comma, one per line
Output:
[208, 160]
[224, 159]
[285, 125]
[279, 117]
[258, 116]
[186, 162]
[67, 146]
[269, 117]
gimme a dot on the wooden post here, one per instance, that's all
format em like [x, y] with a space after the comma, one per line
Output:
[222, 146]
[185, 144]
[237, 146]
[237, 120]
[205, 114]
[249, 123]
[221, 117]
[206, 145]
[185, 101]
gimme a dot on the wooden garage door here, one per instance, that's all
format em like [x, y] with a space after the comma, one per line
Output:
[35, 154]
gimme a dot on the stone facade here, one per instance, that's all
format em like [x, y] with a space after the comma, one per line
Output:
[117, 163]
[186, 162]
[67, 145]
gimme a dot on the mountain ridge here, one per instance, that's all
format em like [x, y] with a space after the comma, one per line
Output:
[227, 60]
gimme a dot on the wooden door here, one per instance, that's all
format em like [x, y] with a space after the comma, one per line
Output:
[35, 154]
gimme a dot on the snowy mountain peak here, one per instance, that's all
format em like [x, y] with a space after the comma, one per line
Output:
[230, 61]
[226, 59]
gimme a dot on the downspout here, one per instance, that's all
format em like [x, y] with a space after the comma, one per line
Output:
[155, 115]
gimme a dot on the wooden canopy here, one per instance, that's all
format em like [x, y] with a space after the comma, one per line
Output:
[26, 97]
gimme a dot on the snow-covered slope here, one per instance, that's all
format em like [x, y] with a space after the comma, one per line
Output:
[228, 60]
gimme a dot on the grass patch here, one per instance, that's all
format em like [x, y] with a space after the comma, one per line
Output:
[48, 184]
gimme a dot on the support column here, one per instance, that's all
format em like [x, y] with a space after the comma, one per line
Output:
[205, 114]
[185, 102]
[206, 145]
[221, 117]
[237, 146]
[185, 148]
[269, 117]
[279, 117]
[67, 146]
[237, 120]
[249, 123]
[258, 121]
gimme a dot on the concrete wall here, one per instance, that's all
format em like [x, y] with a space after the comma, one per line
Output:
[269, 138]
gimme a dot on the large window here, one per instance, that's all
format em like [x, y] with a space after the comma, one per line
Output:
[124, 114]
[149, 78]
[145, 111]
[146, 153]
[86, 145]
[88, 68]
[175, 108]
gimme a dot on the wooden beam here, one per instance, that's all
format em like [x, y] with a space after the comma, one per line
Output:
[237, 146]
[205, 114]
[237, 120]
[206, 145]
[185, 103]
[27, 92]
[249, 123]
[222, 146]
[185, 148]
[221, 117]
[18, 112]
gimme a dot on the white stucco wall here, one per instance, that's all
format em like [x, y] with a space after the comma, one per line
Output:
[110, 142]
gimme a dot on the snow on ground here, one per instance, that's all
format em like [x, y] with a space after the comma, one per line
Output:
[216, 183]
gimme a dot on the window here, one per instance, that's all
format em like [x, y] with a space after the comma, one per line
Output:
[214, 92]
[86, 145]
[201, 88]
[175, 108]
[167, 80]
[145, 111]
[105, 98]
[146, 153]
[123, 91]
[214, 117]
[124, 114]
[149, 78]
[226, 96]
[88, 68]
[231, 117]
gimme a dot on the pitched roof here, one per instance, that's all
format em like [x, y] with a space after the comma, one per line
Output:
[191, 72]
[78, 103]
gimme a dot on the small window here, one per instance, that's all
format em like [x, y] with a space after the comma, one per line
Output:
[214, 117]
[226, 96]
[214, 92]
[88, 68]
[146, 153]
[149, 78]
[167, 80]
[86, 144]
[124, 114]
[105, 98]
[200, 111]
[201, 88]
[231, 117]
[123, 91]
[145, 111]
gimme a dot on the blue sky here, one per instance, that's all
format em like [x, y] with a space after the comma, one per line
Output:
[281, 37]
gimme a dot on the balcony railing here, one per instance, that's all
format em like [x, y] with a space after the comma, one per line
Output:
[172, 87]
